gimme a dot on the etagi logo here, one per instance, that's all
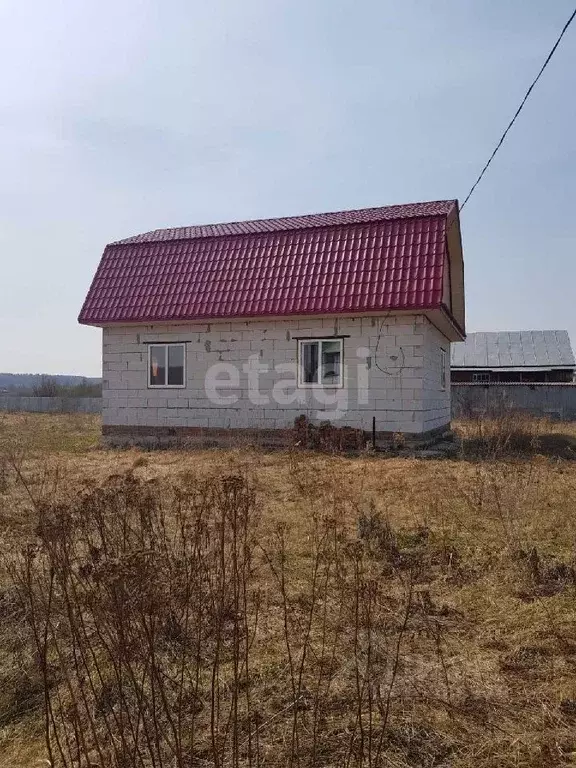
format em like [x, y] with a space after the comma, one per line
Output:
[279, 385]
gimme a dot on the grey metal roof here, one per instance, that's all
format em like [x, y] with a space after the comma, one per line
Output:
[514, 350]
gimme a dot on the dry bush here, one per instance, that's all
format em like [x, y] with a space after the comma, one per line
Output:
[21, 685]
[169, 631]
[326, 436]
[138, 613]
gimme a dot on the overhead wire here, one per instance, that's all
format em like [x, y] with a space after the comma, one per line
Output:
[516, 114]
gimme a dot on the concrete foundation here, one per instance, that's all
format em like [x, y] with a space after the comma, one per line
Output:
[206, 437]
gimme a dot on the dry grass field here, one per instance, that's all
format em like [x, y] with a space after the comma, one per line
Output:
[248, 608]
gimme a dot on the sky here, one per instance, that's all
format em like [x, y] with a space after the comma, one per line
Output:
[121, 117]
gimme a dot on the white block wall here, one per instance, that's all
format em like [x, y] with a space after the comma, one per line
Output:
[436, 399]
[392, 372]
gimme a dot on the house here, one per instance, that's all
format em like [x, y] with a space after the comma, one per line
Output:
[237, 329]
[513, 357]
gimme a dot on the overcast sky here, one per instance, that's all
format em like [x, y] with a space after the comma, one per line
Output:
[118, 116]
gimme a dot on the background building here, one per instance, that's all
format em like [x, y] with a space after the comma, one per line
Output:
[513, 357]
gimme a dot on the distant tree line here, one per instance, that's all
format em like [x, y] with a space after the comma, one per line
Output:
[43, 385]
[48, 386]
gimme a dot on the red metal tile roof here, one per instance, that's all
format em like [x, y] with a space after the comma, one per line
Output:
[353, 261]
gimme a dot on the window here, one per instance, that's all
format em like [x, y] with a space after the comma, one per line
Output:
[442, 368]
[320, 363]
[166, 365]
[481, 377]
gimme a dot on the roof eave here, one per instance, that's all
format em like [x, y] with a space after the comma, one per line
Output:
[375, 312]
[441, 317]
[513, 368]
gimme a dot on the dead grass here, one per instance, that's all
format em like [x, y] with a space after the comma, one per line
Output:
[513, 433]
[40, 434]
[467, 586]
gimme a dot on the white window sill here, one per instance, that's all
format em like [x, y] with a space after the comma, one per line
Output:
[320, 386]
[166, 386]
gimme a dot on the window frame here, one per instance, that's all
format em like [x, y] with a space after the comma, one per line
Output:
[443, 371]
[166, 345]
[299, 360]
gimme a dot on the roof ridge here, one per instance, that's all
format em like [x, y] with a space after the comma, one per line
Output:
[299, 221]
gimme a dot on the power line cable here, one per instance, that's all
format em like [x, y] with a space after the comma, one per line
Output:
[524, 100]
[479, 179]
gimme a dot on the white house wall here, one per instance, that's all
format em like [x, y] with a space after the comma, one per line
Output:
[392, 372]
[436, 399]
